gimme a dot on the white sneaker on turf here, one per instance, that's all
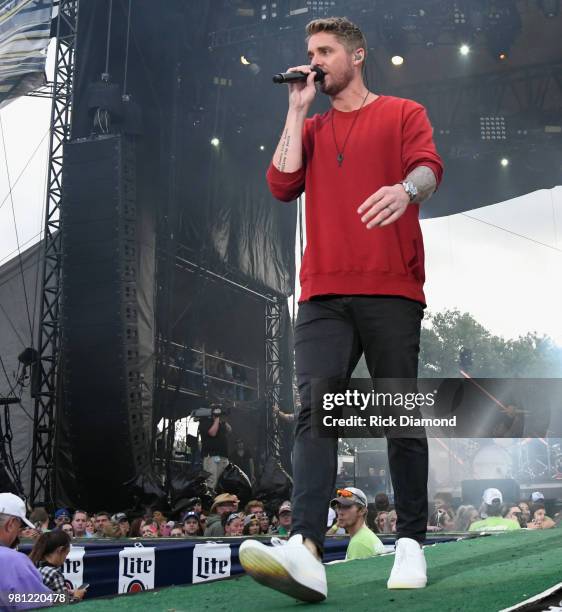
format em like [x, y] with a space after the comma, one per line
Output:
[286, 566]
[409, 570]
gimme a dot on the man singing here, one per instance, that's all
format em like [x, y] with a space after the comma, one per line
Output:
[366, 166]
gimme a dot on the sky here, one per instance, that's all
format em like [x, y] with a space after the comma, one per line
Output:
[501, 263]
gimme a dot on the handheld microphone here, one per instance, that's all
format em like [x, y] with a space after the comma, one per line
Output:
[292, 77]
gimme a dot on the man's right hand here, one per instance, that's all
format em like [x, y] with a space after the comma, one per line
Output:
[301, 93]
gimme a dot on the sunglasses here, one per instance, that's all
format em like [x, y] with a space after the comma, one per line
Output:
[344, 493]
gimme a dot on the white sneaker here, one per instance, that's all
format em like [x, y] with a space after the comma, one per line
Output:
[409, 570]
[286, 566]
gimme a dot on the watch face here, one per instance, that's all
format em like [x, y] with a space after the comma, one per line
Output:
[410, 189]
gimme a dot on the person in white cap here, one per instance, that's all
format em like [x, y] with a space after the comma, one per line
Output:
[537, 496]
[18, 574]
[493, 501]
[351, 506]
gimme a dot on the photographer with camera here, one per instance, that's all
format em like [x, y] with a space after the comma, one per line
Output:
[214, 432]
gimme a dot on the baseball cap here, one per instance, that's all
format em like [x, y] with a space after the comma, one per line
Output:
[14, 506]
[190, 514]
[490, 494]
[537, 496]
[350, 496]
[120, 517]
[285, 507]
[62, 512]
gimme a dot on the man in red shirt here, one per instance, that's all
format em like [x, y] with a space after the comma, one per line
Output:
[366, 165]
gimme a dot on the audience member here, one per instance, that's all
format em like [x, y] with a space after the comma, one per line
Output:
[40, 519]
[380, 521]
[537, 497]
[203, 520]
[123, 521]
[177, 531]
[525, 510]
[264, 523]
[191, 525]
[101, 519]
[149, 530]
[254, 506]
[48, 555]
[18, 574]
[224, 504]
[351, 508]
[111, 530]
[285, 514]
[135, 530]
[232, 525]
[79, 523]
[62, 516]
[67, 528]
[492, 499]
[465, 516]
[158, 517]
[540, 520]
[251, 525]
[443, 500]
[390, 522]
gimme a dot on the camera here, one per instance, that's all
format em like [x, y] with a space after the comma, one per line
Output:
[215, 410]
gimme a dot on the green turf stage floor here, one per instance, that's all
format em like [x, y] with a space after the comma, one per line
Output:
[484, 574]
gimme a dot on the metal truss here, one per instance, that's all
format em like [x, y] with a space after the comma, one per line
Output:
[48, 341]
[273, 379]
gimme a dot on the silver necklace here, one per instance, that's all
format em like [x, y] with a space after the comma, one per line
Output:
[340, 157]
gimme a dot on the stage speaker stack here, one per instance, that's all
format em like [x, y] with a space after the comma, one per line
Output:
[100, 430]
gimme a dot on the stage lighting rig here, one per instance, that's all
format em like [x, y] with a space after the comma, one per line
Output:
[493, 128]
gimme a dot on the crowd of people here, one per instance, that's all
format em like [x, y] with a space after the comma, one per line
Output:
[349, 514]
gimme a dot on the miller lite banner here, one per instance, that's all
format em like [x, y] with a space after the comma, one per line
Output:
[211, 561]
[136, 569]
[73, 567]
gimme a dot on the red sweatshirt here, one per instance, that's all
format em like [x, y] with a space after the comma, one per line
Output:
[391, 137]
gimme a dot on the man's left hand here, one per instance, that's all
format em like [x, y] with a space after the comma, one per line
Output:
[385, 206]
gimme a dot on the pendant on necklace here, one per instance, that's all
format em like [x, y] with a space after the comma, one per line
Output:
[340, 159]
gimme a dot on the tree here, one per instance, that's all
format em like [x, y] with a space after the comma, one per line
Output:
[446, 334]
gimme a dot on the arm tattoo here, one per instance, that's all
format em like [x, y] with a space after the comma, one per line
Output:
[285, 139]
[424, 179]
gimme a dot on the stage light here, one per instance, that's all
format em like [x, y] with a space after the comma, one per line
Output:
[397, 60]
[504, 162]
[464, 49]
[502, 56]
[493, 128]
[262, 148]
[459, 17]
[250, 59]
[215, 142]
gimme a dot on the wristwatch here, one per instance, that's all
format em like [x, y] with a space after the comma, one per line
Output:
[410, 189]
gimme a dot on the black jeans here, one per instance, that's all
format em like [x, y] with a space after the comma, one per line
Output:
[331, 333]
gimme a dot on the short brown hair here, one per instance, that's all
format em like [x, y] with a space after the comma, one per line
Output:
[344, 30]
[252, 504]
